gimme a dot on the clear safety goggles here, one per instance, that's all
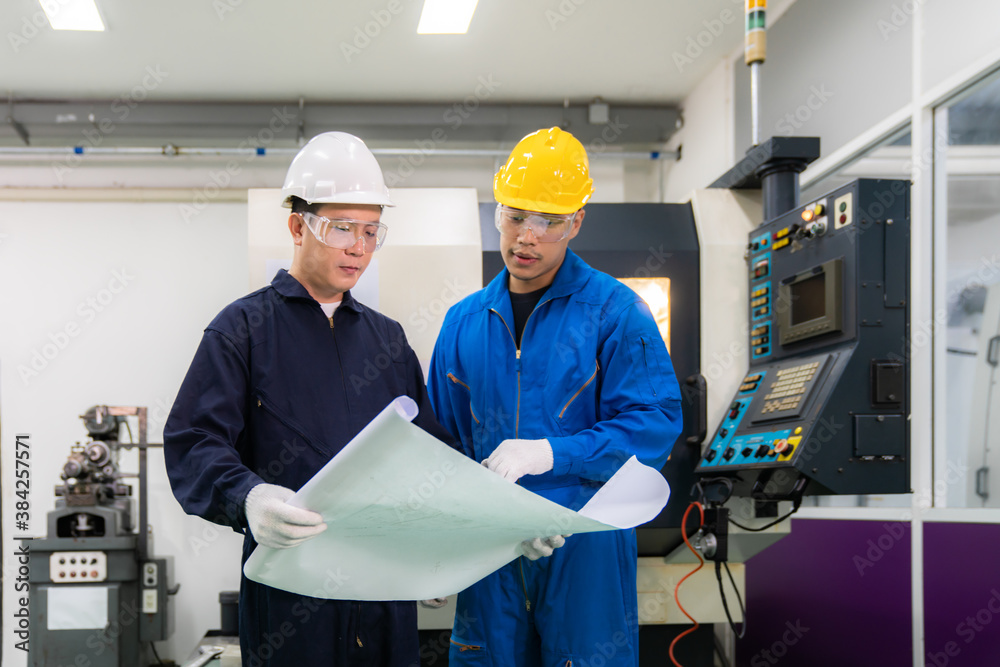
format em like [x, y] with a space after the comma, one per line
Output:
[545, 227]
[344, 233]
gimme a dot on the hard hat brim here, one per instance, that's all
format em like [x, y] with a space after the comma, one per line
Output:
[371, 198]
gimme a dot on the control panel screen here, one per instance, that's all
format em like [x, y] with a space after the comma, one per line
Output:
[808, 299]
[812, 302]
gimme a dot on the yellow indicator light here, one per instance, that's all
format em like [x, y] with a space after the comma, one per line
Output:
[819, 210]
[807, 215]
[782, 233]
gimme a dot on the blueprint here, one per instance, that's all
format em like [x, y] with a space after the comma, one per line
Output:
[410, 518]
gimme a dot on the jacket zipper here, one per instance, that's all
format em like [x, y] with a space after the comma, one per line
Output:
[466, 647]
[517, 418]
[340, 362]
[274, 413]
[517, 366]
[524, 584]
[451, 376]
[646, 363]
[357, 630]
[563, 411]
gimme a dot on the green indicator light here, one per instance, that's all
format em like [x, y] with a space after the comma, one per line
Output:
[843, 206]
[755, 20]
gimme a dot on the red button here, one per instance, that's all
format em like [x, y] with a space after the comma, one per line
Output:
[843, 218]
[94, 574]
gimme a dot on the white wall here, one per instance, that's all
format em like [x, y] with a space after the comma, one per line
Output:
[833, 70]
[104, 303]
[706, 138]
[958, 34]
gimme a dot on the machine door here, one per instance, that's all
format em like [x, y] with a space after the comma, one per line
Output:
[73, 621]
[984, 418]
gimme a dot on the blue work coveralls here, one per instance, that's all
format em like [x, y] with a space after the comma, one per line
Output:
[274, 392]
[593, 376]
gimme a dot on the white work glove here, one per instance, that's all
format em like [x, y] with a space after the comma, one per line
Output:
[276, 524]
[542, 547]
[434, 603]
[513, 459]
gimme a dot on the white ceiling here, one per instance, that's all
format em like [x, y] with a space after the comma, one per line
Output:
[536, 51]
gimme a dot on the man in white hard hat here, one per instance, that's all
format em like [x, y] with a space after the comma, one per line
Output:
[277, 387]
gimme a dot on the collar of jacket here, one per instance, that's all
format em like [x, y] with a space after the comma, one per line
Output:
[570, 277]
[290, 288]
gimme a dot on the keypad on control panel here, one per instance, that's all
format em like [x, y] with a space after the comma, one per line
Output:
[789, 388]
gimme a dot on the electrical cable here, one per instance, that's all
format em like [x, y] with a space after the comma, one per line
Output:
[798, 503]
[698, 490]
[725, 605]
[739, 598]
[701, 563]
[159, 661]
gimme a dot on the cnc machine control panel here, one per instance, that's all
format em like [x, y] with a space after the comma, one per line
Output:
[826, 395]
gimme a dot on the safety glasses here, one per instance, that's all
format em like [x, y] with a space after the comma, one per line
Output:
[545, 227]
[344, 233]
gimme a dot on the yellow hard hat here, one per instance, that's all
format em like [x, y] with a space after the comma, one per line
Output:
[546, 172]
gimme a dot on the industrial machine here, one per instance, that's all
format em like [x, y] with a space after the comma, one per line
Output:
[984, 489]
[96, 593]
[823, 408]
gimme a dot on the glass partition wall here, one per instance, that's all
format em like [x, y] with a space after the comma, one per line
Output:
[967, 195]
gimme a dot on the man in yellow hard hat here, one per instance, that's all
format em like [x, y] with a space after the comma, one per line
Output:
[569, 367]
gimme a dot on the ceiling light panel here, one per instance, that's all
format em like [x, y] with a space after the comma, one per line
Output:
[73, 14]
[446, 17]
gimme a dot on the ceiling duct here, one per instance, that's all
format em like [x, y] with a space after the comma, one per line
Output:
[130, 123]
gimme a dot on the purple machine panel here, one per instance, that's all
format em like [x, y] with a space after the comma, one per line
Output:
[832, 593]
[961, 594]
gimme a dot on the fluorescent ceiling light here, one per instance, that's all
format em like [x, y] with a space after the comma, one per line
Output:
[446, 17]
[73, 14]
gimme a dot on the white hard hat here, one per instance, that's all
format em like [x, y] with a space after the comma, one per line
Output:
[336, 168]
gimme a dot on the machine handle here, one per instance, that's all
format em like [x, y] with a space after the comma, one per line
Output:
[697, 389]
[206, 655]
[991, 355]
[982, 478]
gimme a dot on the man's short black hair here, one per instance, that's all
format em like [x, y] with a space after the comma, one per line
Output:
[300, 205]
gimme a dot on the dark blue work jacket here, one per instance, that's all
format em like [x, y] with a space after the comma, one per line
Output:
[275, 390]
